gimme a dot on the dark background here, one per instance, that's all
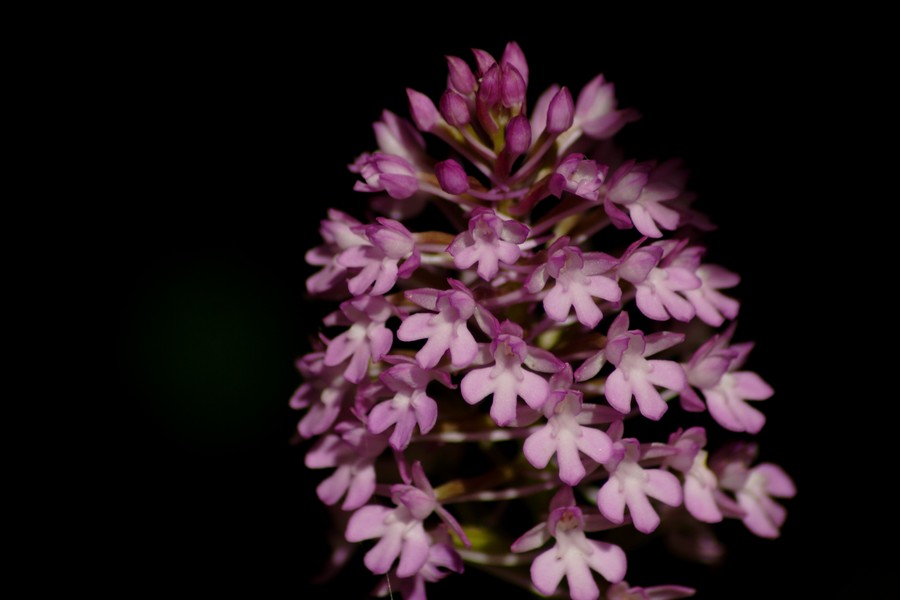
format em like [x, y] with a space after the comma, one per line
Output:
[225, 142]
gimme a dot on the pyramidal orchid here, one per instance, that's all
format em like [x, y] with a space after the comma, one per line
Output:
[511, 311]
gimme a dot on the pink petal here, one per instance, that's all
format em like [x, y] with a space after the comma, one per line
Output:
[547, 571]
[778, 483]
[540, 447]
[382, 416]
[585, 308]
[503, 408]
[618, 391]
[477, 385]
[558, 303]
[571, 469]
[643, 222]
[581, 581]
[415, 552]
[757, 519]
[361, 488]
[331, 490]
[595, 443]
[415, 327]
[648, 399]
[402, 434]
[463, 347]
[366, 523]
[700, 501]
[751, 386]
[650, 304]
[642, 513]
[663, 486]
[532, 539]
[380, 558]
[668, 374]
[534, 389]
[607, 559]
[611, 500]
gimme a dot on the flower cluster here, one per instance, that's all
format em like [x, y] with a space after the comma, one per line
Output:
[512, 351]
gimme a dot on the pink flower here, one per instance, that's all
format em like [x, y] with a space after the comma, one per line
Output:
[595, 112]
[324, 392]
[352, 450]
[489, 241]
[340, 233]
[385, 172]
[701, 487]
[379, 261]
[445, 330]
[579, 278]
[366, 339]
[639, 188]
[410, 405]
[506, 380]
[442, 559]
[400, 531]
[565, 436]
[579, 176]
[660, 285]
[713, 370]
[631, 485]
[754, 488]
[634, 375]
[573, 556]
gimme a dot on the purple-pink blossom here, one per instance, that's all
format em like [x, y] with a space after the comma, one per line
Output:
[489, 241]
[410, 404]
[574, 555]
[506, 380]
[578, 278]
[713, 369]
[631, 485]
[367, 337]
[444, 329]
[497, 227]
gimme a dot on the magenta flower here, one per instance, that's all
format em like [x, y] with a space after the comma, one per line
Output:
[634, 375]
[410, 405]
[578, 175]
[506, 380]
[701, 487]
[574, 556]
[323, 394]
[386, 172]
[352, 450]
[486, 275]
[639, 189]
[400, 531]
[565, 437]
[442, 559]
[632, 485]
[366, 339]
[340, 233]
[379, 261]
[754, 488]
[579, 278]
[713, 370]
[489, 241]
[596, 113]
[445, 330]
[660, 285]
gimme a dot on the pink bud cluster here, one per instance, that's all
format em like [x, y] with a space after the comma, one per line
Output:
[522, 329]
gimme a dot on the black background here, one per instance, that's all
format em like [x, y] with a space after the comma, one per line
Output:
[223, 143]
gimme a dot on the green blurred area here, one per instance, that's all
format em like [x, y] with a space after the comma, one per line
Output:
[208, 348]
